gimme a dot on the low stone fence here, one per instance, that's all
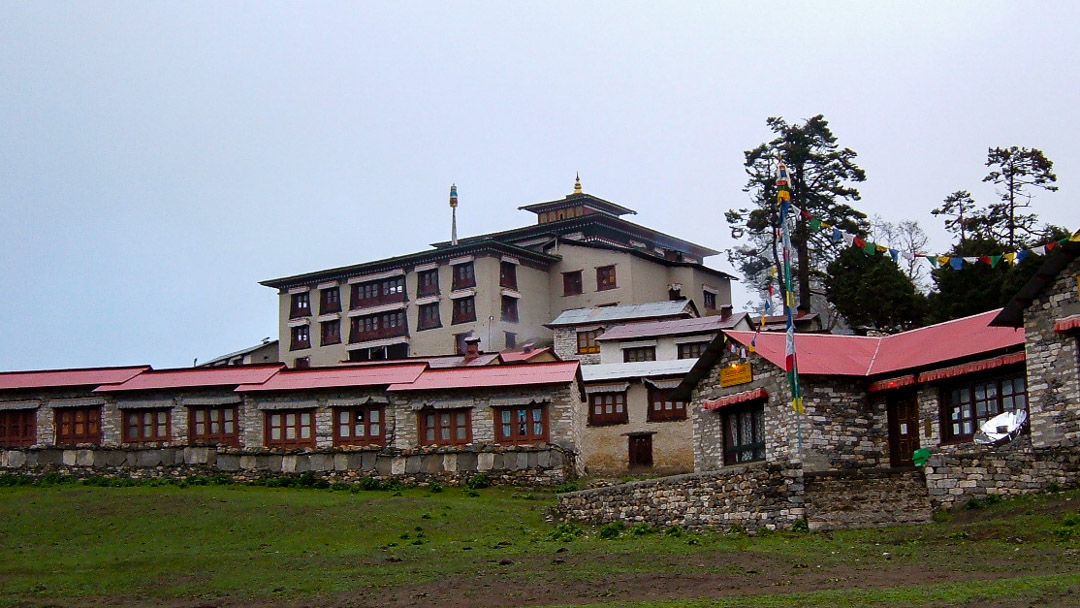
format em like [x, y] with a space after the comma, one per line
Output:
[954, 478]
[750, 496]
[530, 465]
[865, 498]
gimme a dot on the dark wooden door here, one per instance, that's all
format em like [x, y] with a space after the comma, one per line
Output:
[640, 451]
[903, 412]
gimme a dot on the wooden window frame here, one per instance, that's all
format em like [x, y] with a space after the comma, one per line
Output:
[210, 424]
[662, 408]
[329, 300]
[376, 293]
[389, 324]
[360, 425]
[296, 420]
[70, 419]
[960, 403]
[433, 420]
[146, 425]
[427, 283]
[509, 309]
[708, 299]
[508, 275]
[586, 341]
[18, 428]
[614, 401]
[428, 321]
[464, 276]
[300, 305]
[692, 350]
[639, 354]
[606, 278]
[463, 313]
[300, 337]
[737, 450]
[517, 424]
[572, 284]
[333, 337]
[510, 339]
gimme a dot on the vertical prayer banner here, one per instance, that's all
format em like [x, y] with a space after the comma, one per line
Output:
[783, 186]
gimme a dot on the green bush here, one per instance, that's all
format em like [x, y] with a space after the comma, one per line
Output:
[641, 529]
[7, 480]
[197, 480]
[612, 530]
[55, 479]
[435, 487]
[565, 532]
[221, 479]
[674, 532]
[800, 525]
[370, 484]
[571, 486]
[478, 482]
[339, 486]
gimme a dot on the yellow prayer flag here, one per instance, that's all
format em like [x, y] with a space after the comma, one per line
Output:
[943, 260]
[1010, 257]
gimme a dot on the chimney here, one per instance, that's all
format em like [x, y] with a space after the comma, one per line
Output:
[472, 349]
[674, 291]
[528, 348]
[725, 312]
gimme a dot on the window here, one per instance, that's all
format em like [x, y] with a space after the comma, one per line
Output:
[290, 429]
[302, 363]
[359, 425]
[78, 425]
[508, 275]
[376, 293]
[214, 424]
[970, 405]
[586, 341]
[639, 353]
[571, 283]
[384, 325]
[329, 300]
[301, 338]
[301, 305]
[709, 299]
[605, 278]
[607, 408]
[445, 427]
[18, 427]
[463, 276]
[464, 310]
[661, 407]
[692, 350]
[744, 434]
[428, 316]
[459, 342]
[331, 332]
[509, 309]
[521, 424]
[510, 339]
[146, 425]
[427, 282]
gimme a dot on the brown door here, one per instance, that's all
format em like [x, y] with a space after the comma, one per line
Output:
[903, 411]
[640, 451]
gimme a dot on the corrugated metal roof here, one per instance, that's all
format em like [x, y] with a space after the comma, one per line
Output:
[68, 377]
[338, 377]
[561, 372]
[675, 327]
[629, 312]
[194, 377]
[522, 356]
[640, 369]
[864, 356]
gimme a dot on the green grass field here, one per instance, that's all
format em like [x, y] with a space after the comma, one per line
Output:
[76, 545]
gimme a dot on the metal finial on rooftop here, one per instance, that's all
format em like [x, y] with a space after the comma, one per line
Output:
[577, 183]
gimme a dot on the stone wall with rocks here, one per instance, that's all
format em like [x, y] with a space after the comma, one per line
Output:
[1010, 470]
[529, 465]
[865, 498]
[565, 345]
[1053, 362]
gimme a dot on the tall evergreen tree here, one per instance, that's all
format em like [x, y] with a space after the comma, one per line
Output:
[1015, 172]
[872, 293]
[822, 174]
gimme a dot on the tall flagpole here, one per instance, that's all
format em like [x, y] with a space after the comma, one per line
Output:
[783, 196]
[453, 214]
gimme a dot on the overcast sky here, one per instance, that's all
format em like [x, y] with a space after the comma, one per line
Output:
[159, 159]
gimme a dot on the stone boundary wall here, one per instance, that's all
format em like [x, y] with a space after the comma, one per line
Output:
[529, 465]
[752, 496]
[954, 478]
[866, 498]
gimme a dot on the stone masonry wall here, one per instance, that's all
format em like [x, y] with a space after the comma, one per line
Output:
[865, 498]
[565, 346]
[1053, 377]
[1010, 470]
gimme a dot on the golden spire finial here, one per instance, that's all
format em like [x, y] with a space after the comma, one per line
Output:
[577, 183]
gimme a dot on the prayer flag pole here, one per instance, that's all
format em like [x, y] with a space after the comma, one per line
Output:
[783, 196]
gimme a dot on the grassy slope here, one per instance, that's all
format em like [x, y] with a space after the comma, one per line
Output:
[74, 545]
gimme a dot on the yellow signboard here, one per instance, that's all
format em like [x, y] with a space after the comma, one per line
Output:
[732, 375]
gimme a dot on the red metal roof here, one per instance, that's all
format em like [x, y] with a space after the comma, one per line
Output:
[338, 377]
[68, 377]
[864, 356]
[971, 368]
[560, 372]
[194, 377]
[1067, 324]
[522, 356]
[743, 397]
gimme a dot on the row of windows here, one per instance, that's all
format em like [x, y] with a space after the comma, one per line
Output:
[605, 280]
[635, 354]
[353, 426]
[610, 408]
[392, 290]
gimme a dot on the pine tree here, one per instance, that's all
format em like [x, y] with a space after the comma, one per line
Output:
[1016, 171]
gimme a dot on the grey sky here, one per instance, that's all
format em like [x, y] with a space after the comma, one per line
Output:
[158, 159]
